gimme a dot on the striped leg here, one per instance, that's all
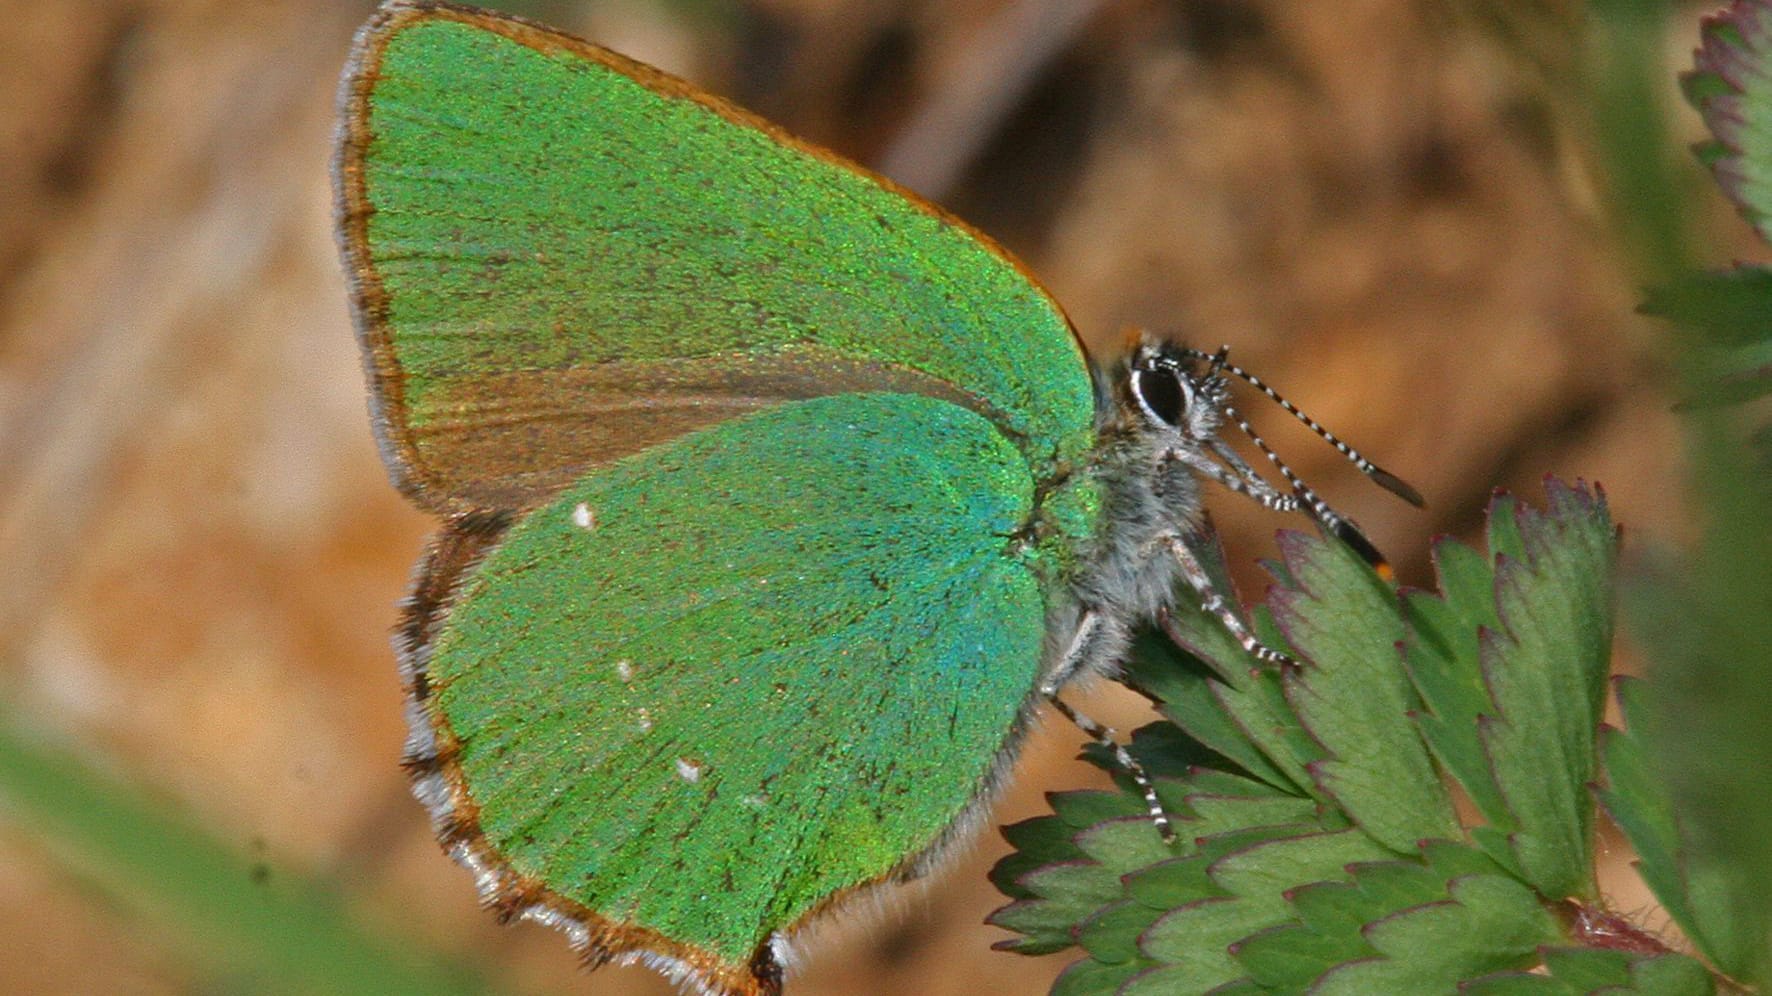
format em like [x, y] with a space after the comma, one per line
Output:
[1244, 480]
[1215, 603]
[1076, 656]
[1259, 488]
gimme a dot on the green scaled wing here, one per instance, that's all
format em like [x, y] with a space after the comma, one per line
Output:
[717, 685]
[559, 256]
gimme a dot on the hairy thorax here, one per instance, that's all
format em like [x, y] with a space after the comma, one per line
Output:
[1101, 537]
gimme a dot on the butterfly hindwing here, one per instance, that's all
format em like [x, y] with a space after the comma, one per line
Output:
[559, 256]
[716, 685]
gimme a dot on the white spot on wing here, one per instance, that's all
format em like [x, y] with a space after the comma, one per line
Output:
[688, 770]
[583, 517]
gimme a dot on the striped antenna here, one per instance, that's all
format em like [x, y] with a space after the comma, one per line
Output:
[1328, 518]
[1383, 478]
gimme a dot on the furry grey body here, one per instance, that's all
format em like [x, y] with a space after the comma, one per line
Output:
[1152, 504]
[1160, 413]
[1152, 435]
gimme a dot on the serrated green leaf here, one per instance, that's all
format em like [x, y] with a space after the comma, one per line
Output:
[1709, 154]
[1354, 698]
[1696, 893]
[1386, 886]
[1240, 987]
[1182, 686]
[1489, 924]
[1216, 814]
[1289, 956]
[1588, 969]
[1086, 808]
[1593, 970]
[1497, 845]
[1172, 883]
[1173, 980]
[1331, 907]
[1731, 85]
[1441, 658]
[1045, 926]
[1261, 874]
[1504, 528]
[1451, 860]
[1671, 975]
[1074, 883]
[1202, 633]
[1040, 841]
[1198, 938]
[1111, 934]
[1250, 694]
[1267, 888]
[1546, 671]
[1065, 894]
[1602, 972]
[1087, 902]
[1042, 836]
[1168, 752]
[1518, 984]
[1164, 751]
[1125, 844]
[1179, 881]
[1636, 798]
[1467, 578]
[1703, 86]
[1331, 917]
[1253, 882]
[1231, 784]
[1092, 978]
[1261, 709]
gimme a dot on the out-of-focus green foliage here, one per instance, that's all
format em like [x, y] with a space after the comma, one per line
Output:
[237, 927]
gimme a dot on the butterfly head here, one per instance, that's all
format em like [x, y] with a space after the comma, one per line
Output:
[1179, 399]
[1171, 391]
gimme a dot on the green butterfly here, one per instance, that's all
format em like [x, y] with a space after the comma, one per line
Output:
[776, 499]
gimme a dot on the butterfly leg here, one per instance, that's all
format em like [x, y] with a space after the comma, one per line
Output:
[1090, 628]
[1241, 478]
[1219, 607]
[1258, 487]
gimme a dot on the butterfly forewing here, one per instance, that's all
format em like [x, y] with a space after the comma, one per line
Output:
[560, 256]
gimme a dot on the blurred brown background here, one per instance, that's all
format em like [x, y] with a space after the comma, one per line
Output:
[1384, 206]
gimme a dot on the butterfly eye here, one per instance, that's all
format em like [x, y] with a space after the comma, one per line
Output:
[1163, 393]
